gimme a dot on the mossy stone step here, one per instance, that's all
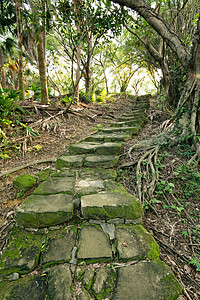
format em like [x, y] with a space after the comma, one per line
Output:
[127, 123]
[150, 280]
[132, 118]
[44, 211]
[93, 245]
[95, 148]
[88, 161]
[108, 137]
[63, 185]
[111, 205]
[127, 129]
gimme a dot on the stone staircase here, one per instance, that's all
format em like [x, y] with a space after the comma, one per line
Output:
[80, 234]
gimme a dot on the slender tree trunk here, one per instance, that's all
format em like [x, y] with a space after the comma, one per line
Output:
[106, 80]
[42, 71]
[19, 30]
[78, 51]
[88, 73]
[78, 74]
[3, 77]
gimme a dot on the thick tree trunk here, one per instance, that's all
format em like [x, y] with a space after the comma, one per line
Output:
[19, 30]
[42, 71]
[3, 77]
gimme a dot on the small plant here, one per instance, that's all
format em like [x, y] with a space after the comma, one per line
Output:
[185, 233]
[195, 261]
[164, 186]
[20, 193]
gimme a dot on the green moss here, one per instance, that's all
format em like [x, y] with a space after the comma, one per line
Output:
[112, 186]
[44, 174]
[22, 253]
[104, 279]
[24, 182]
[88, 278]
[107, 174]
[95, 128]
[24, 288]
[45, 219]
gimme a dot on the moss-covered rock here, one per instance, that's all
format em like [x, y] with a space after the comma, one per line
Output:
[44, 211]
[22, 253]
[111, 205]
[24, 182]
[93, 245]
[134, 242]
[147, 280]
[29, 287]
[104, 283]
[60, 283]
[44, 174]
[58, 247]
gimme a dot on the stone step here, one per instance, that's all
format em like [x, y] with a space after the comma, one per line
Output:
[133, 118]
[45, 210]
[88, 161]
[127, 123]
[108, 137]
[132, 130]
[110, 148]
[111, 205]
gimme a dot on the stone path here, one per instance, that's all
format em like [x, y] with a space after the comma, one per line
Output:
[80, 234]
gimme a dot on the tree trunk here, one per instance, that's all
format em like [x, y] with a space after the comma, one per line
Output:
[3, 77]
[42, 71]
[78, 53]
[88, 73]
[19, 30]
[106, 81]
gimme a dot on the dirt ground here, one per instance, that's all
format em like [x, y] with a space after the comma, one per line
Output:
[167, 225]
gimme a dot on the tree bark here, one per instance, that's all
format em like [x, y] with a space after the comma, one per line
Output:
[42, 71]
[78, 53]
[19, 30]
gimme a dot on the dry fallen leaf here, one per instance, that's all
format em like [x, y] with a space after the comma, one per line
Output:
[187, 269]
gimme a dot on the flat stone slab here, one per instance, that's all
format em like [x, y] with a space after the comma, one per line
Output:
[88, 161]
[108, 137]
[88, 186]
[152, 280]
[60, 283]
[93, 244]
[22, 253]
[70, 161]
[95, 148]
[63, 185]
[132, 130]
[111, 205]
[103, 161]
[126, 123]
[134, 242]
[44, 211]
[58, 247]
[29, 287]
[104, 283]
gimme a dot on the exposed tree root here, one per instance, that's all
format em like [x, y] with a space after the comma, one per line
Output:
[27, 165]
